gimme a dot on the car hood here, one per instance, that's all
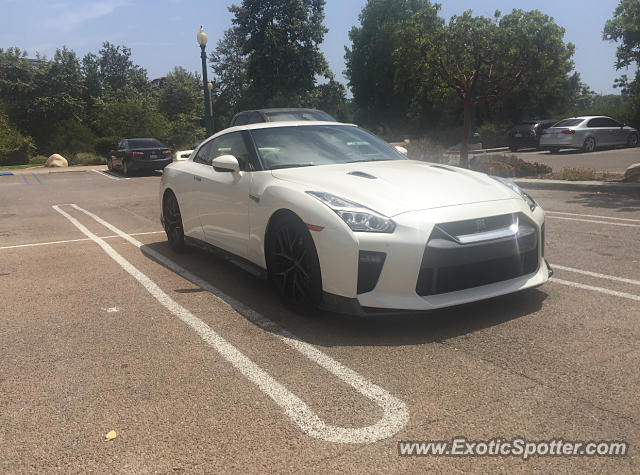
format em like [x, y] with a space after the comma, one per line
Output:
[398, 186]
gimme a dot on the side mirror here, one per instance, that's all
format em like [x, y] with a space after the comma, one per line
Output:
[402, 150]
[226, 163]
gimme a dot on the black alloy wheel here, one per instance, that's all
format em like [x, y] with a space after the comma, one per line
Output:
[293, 264]
[173, 222]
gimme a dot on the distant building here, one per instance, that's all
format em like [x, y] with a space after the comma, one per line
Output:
[157, 82]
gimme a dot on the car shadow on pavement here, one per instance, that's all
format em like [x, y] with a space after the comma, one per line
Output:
[620, 201]
[330, 329]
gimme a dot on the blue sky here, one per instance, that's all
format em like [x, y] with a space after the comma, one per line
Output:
[162, 33]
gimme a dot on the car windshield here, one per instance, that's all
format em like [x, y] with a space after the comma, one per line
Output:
[568, 123]
[298, 146]
[276, 116]
[145, 143]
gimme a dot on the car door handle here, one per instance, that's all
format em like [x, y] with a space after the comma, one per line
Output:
[197, 178]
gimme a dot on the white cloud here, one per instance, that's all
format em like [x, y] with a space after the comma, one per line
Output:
[76, 15]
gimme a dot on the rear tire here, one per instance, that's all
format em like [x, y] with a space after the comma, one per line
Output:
[632, 141]
[513, 149]
[293, 265]
[173, 222]
[589, 145]
[125, 168]
[554, 150]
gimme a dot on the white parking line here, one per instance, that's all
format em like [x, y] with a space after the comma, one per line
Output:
[594, 221]
[595, 274]
[109, 175]
[396, 414]
[595, 289]
[71, 240]
[593, 216]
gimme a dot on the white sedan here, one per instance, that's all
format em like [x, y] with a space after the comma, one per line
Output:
[337, 218]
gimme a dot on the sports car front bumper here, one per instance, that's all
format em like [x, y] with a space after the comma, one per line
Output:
[423, 269]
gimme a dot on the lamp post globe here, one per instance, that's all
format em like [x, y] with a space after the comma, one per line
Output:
[202, 41]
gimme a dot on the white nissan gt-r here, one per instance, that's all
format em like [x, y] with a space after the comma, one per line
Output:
[337, 218]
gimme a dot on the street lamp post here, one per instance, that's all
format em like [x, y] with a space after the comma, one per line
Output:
[202, 41]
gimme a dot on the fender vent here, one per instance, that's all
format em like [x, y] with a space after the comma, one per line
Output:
[363, 175]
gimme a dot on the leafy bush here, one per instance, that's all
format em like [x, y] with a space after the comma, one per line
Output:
[15, 148]
[104, 145]
[493, 135]
[577, 174]
[507, 166]
[86, 159]
[425, 149]
[38, 160]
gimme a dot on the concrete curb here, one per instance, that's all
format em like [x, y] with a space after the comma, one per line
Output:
[578, 185]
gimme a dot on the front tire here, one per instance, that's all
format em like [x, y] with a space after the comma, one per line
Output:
[589, 145]
[173, 222]
[632, 141]
[293, 265]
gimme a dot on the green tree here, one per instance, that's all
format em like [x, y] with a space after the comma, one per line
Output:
[180, 101]
[482, 59]
[15, 148]
[281, 40]
[230, 77]
[382, 95]
[117, 70]
[624, 28]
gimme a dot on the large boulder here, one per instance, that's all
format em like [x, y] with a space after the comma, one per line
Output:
[632, 174]
[56, 160]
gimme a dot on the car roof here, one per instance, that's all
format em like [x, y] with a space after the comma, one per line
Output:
[283, 123]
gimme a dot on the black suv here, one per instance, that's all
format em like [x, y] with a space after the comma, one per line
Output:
[527, 134]
[277, 115]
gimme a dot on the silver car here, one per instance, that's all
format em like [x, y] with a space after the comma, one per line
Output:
[587, 133]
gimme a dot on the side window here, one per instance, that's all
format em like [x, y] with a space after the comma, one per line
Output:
[255, 118]
[611, 123]
[241, 119]
[204, 155]
[232, 144]
[597, 122]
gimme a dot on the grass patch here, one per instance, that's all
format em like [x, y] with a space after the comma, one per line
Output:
[19, 167]
[577, 174]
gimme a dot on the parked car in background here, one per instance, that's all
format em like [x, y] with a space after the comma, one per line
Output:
[182, 155]
[139, 154]
[588, 133]
[337, 218]
[527, 134]
[278, 115]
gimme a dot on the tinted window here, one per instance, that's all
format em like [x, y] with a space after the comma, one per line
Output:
[255, 118]
[608, 122]
[283, 147]
[569, 123]
[241, 119]
[204, 155]
[145, 143]
[231, 144]
[298, 115]
[597, 122]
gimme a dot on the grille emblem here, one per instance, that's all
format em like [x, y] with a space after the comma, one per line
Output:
[481, 225]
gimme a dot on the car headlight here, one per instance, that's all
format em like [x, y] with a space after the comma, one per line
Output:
[357, 217]
[505, 181]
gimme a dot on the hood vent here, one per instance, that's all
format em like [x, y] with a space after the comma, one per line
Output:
[363, 175]
[442, 168]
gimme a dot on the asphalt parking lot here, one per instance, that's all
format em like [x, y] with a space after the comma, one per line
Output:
[198, 368]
